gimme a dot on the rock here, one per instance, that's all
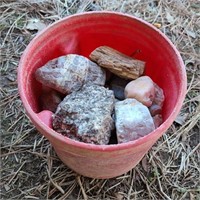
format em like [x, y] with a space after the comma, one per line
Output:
[117, 62]
[159, 96]
[118, 84]
[157, 120]
[141, 89]
[85, 115]
[132, 120]
[156, 107]
[50, 100]
[69, 73]
[116, 100]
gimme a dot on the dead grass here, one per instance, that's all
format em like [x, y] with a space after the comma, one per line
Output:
[29, 167]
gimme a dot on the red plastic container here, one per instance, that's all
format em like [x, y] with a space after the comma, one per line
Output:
[81, 34]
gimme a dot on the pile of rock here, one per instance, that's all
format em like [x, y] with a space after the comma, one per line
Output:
[91, 98]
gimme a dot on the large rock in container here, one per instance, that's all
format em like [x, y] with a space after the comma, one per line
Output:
[85, 115]
[132, 120]
[69, 73]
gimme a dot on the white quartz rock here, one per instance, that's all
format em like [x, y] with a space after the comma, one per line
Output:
[132, 120]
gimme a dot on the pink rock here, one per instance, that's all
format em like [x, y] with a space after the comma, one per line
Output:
[159, 96]
[155, 109]
[69, 73]
[158, 101]
[141, 89]
[132, 120]
[157, 120]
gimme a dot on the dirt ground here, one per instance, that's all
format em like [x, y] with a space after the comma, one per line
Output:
[30, 168]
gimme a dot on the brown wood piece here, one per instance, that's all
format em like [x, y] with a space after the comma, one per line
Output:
[117, 62]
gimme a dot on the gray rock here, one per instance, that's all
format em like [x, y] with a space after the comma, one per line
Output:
[118, 84]
[69, 73]
[85, 115]
[133, 120]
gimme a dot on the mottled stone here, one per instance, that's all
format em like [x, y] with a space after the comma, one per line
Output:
[156, 107]
[85, 115]
[118, 84]
[132, 120]
[157, 120]
[141, 89]
[69, 73]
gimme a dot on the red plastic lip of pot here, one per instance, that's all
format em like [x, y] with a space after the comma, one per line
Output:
[94, 147]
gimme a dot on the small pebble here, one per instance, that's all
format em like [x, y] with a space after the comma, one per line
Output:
[141, 89]
[156, 107]
[159, 96]
[132, 120]
[157, 120]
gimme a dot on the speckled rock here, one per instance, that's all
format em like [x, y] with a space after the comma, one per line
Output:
[156, 107]
[132, 120]
[85, 115]
[141, 89]
[69, 73]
